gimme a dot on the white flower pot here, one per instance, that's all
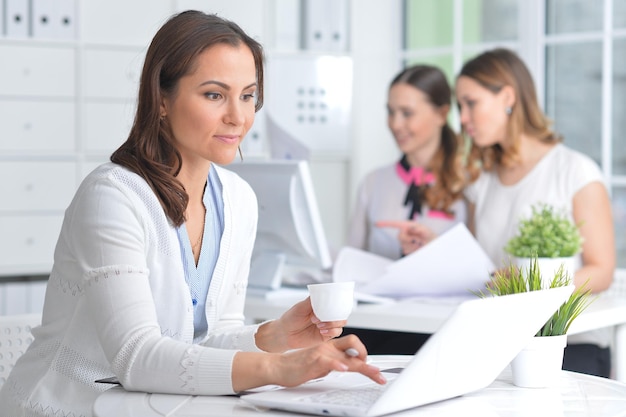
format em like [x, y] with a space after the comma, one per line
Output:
[548, 267]
[539, 364]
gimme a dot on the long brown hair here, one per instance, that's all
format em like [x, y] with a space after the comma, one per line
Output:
[494, 70]
[149, 150]
[447, 163]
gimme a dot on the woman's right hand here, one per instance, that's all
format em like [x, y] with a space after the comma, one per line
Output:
[296, 367]
[411, 234]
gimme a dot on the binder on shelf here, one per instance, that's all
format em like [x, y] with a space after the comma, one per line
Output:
[42, 18]
[325, 25]
[338, 18]
[65, 19]
[54, 19]
[36, 294]
[16, 297]
[17, 14]
[287, 25]
[316, 28]
[2, 22]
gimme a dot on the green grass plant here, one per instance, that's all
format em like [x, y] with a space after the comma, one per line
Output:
[515, 280]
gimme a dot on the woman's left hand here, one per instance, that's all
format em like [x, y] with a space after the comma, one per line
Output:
[298, 327]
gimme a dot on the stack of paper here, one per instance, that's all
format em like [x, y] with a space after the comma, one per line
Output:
[452, 264]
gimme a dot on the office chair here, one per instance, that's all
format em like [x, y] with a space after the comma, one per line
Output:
[15, 337]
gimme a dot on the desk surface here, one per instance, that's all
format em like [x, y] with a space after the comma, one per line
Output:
[426, 315]
[576, 395]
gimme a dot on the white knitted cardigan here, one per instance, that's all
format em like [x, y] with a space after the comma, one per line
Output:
[117, 302]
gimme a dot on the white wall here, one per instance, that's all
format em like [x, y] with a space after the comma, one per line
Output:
[376, 37]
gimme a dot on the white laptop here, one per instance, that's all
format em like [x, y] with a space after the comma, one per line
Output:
[466, 354]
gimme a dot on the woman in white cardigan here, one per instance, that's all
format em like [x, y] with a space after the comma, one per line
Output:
[151, 266]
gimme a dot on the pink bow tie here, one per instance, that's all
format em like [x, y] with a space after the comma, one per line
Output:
[415, 175]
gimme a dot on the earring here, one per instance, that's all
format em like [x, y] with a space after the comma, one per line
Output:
[240, 155]
[508, 110]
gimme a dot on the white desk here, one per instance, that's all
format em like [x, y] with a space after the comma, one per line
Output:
[427, 315]
[577, 395]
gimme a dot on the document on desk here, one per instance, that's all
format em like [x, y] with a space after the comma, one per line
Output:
[452, 264]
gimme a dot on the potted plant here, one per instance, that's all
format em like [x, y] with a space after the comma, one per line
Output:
[549, 235]
[539, 364]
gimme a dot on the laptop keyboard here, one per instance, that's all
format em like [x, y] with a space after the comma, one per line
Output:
[363, 396]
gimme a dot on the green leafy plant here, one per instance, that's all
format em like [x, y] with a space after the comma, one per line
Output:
[545, 234]
[514, 280]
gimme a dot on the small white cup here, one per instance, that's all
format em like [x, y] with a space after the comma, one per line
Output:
[332, 301]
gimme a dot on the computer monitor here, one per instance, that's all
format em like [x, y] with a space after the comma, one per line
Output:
[290, 231]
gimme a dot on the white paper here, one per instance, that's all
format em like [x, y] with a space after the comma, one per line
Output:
[357, 265]
[452, 264]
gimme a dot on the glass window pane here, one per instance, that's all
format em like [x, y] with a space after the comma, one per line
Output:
[566, 16]
[428, 23]
[619, 14]
[489, 20]
[443, 62]
[619, 107]
[619, 220]
[574, 94]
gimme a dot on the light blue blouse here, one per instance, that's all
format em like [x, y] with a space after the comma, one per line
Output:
[199, 277]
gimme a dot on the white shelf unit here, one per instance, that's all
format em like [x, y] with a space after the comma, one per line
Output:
[66, 101]
[67, 98]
